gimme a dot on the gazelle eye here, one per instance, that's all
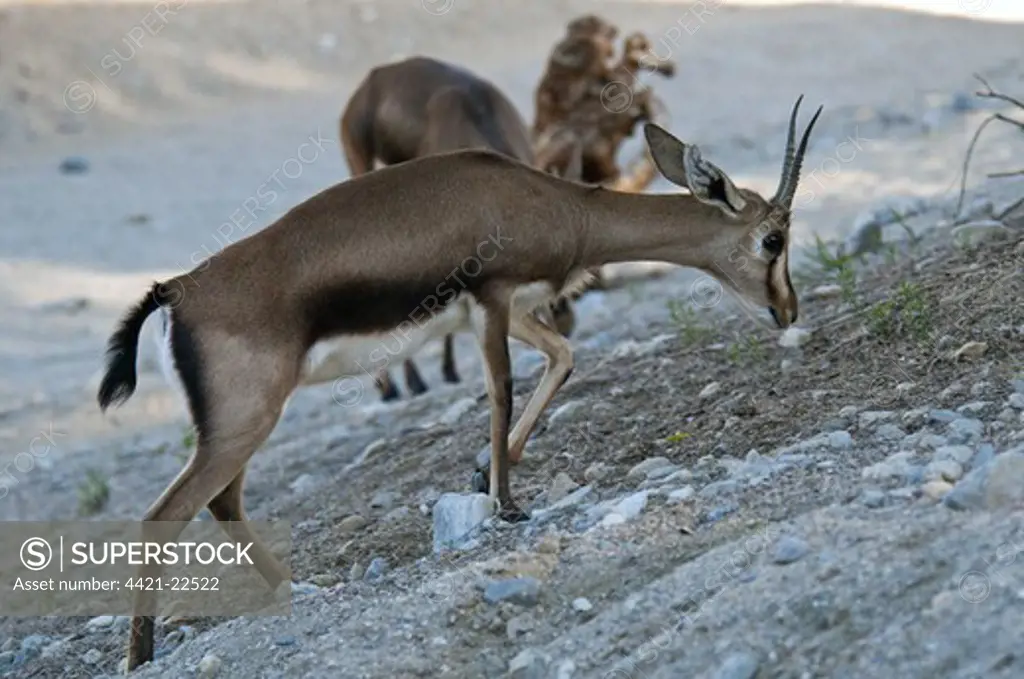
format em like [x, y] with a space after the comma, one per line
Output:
[772, 243]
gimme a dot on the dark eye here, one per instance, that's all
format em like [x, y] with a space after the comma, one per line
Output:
[772, 243]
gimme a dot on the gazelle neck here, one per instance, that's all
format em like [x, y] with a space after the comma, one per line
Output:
[674, 228]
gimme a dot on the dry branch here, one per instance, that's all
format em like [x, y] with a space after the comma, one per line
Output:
[987, 93]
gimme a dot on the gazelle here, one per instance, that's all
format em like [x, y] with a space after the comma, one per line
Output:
[369, 257]
[421, 106]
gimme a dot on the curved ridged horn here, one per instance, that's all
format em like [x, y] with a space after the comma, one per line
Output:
[794, 159]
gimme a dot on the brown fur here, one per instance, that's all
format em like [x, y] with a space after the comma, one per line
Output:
[421, 106]
[359, 257]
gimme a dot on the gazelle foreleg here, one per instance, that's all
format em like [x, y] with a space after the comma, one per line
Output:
[526, 328]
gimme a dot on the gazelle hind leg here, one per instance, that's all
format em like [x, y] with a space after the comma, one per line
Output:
[244, 399]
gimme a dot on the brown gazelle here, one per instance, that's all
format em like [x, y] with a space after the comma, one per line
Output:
[367, 259]
[421, 106]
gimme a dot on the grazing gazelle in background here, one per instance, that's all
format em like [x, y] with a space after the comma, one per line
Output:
[360, 259]
[421, 106]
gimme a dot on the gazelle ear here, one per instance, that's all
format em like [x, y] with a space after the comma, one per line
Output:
[683, 165]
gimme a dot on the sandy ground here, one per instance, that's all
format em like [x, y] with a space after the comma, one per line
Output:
[183, 110]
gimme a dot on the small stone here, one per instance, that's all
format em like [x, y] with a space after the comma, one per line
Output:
[830, 291]
[523, 591]
[872, 418]
[304, 484]
[209, 666]
[794, 337]
[894, 466]
[678, 495]
[356, 572]
[889, 432]
[93, 657]
[737, 666]
[10, 645]
[561, 487]
[986, 453]
[99, 622]
[1018, 385]
[931, 442]
[567, 411]
[33, 644]
[872, 498]
[789, 549]
[1016, 400]
[582, 605]
[971, 350]
[640, 471]
[981, 231]
[529, 664]
[936, 490]
[611, 519]
[965, 430]
[324, 579]
[631, 506]
[570, 500]
[596, 472]
[457, 411]
[662, 473]
[943, 470]
[383, 499]
[940, 416]
[455, 516]
[376, 570]
[74, 165]
[519, 625]
[959, 454]
[53, 650]
[7, 659]
[840, 440]
[351, 524]
[848, 413]
[996, 485]
[710, 390]
[974, 407]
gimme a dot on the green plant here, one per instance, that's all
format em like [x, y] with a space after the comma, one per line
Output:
[906, 313]
[746, 350]
[692, 330]
[188, 439]
[93, 493]
[678, 437]
[837, 267]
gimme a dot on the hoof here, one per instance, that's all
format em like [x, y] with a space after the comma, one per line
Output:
[512, 513]
[480, 483]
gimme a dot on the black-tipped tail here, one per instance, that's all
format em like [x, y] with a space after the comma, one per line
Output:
[122, 350]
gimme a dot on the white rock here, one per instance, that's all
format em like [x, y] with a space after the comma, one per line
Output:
[975, 233]
[567, 410]
[631, 506]
[840, 440]
[710, 390]
[457, 411]
[794, 337]
[642, 469]
[680, 495]
[456, 515]
[1016, 401]
[582, 604]
[209, 666]
[99, 622]
[612, 519]
[971, 350]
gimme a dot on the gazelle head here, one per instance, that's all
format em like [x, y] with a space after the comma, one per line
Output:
[749, 253]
